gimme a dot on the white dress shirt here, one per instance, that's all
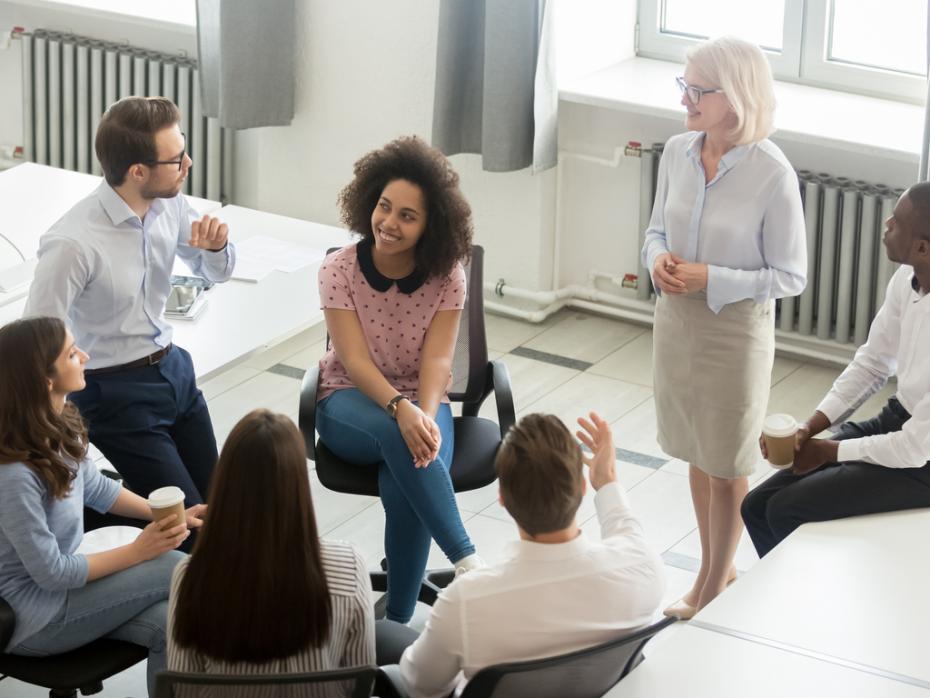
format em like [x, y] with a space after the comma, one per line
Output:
[544, 600]
[746, 224]
[106, 273]
[898, 344]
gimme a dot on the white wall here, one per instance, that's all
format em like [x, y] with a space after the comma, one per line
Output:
[366, 75]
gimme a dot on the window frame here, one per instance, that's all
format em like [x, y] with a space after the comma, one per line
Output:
[803, 58]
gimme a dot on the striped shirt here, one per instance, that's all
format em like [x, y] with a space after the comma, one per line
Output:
[351, 635]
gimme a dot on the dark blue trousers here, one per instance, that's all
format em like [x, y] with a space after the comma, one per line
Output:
[780, 504]
[152, 424]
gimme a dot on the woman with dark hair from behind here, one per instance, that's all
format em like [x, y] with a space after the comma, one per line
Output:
[63, 599]
[262, 593]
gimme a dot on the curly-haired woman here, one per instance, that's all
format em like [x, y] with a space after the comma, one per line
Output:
[392, 304]
[63, 599]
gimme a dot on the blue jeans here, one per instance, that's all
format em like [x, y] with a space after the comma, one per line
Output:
[130, 605]
[419, 503]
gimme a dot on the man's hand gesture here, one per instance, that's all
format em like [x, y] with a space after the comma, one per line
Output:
[602, 463]
[209, 234]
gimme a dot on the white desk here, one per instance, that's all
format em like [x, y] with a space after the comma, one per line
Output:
[853, 590]
[242, 317]
[696, 663]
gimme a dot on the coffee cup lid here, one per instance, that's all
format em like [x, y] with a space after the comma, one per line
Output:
[779, 425]
[166, 497]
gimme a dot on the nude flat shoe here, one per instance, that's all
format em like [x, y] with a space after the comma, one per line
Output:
[681, 610]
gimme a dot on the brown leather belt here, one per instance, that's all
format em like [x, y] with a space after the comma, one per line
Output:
[149, 360]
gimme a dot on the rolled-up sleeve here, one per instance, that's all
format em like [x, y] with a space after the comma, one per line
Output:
[784, 249]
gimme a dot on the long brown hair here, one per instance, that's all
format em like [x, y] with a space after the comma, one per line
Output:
[31, 431]
[255, 589]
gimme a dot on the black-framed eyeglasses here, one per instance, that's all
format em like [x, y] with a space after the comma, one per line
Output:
[693, 91]
[179, 162]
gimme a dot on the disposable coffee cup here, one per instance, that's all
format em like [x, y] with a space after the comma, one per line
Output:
[779, 432]
[166, 501]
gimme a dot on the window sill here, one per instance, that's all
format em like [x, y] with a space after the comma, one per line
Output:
[808, 115]
[177, 15]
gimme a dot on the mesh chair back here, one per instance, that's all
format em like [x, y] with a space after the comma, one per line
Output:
[357, 682]
[587, 673]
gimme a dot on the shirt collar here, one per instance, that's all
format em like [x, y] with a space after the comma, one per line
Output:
[729, 159]
[118, 210]
[548, 552]
[379, 281]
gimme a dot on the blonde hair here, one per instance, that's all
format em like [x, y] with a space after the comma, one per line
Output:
[742, 71]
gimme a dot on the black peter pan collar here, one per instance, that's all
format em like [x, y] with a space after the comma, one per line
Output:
[379, 281]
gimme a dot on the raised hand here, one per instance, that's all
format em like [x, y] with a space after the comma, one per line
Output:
[209, 234]
[602, 463]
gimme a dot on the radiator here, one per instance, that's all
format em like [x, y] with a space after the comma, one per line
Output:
[848, 269]
[69, 81]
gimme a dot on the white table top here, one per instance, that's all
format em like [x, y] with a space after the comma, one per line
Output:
[855, 590]
[33, 197]
[696, 663]
[242, 317]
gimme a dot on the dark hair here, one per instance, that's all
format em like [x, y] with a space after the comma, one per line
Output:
[126, 134]
[447, 237]
[255, 588]
[31, 431]
[919, 194]
[540, 471]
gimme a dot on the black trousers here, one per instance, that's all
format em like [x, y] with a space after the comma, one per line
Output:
[153, 425]
[779, 505]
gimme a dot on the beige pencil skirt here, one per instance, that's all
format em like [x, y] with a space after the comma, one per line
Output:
[712, 375]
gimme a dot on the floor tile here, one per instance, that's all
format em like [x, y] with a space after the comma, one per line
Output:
[335, 508]
[662, 503]
[530, 380]
[226, 380]
[275, 353]
[783, 368]
[585, 393]
[584, 336]
[306, 357]
[489, 535]
[273, 392]
[632, 362]
[365, 531]
[745, 557]
[800, 392]
[636, 430]
[504, 333]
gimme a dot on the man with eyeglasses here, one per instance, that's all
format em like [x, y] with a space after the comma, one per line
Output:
[104, 268]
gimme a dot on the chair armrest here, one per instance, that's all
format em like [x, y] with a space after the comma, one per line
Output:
[390, 682]
[7, 624]
[306, 416]
[503, 396]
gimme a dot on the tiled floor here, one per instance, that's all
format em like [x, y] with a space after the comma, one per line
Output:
[568, 365]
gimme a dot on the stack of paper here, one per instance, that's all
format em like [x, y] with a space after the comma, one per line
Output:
[258, 256]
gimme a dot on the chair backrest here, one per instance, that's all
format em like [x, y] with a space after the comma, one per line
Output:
[586, 673]
[356, 682]
[7, 624]
[470, 358]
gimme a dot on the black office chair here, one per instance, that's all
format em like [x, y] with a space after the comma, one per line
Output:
[355, 682]
[83, 669]
[587, 673]
[477, 439]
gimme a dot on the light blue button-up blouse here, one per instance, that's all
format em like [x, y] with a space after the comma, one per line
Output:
[746, 224]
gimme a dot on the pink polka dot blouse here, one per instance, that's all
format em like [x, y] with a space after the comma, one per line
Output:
[394, 316]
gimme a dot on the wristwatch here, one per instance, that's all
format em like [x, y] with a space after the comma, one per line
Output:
[391, 407]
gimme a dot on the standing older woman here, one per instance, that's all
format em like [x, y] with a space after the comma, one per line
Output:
[725, 240]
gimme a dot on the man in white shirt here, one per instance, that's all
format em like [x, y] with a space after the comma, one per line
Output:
[105, 267]
[559, 590]
[882, 464]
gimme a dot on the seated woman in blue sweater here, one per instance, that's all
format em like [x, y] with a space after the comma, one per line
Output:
[63, 599]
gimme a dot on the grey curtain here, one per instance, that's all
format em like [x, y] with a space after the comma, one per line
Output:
[924, 174]
[496, 91]
[247, 57]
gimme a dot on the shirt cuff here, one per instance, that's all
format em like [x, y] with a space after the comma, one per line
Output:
[833, 407]
[849, 450]
[724, 286]
[611, 496]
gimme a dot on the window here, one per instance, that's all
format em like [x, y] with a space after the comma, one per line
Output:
[876, 47]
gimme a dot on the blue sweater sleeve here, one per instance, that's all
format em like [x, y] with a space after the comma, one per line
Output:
[24, 523]
[100, 492]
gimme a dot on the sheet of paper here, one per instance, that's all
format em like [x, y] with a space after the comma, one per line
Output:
[249, 269]
[278, 254]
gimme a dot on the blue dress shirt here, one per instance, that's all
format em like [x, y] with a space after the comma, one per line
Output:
[746, 224]
[106, 273]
